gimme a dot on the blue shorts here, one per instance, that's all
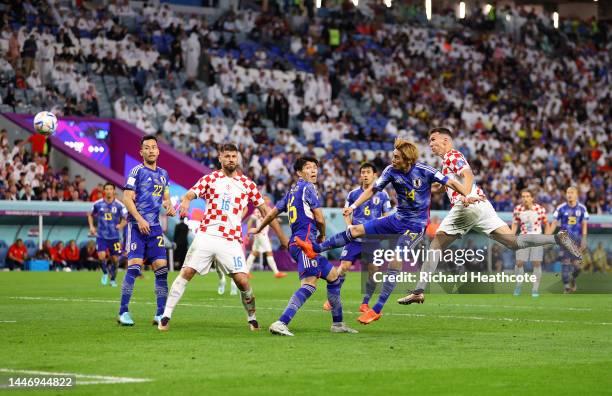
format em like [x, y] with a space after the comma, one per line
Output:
[110, 246]
[319, 267]
[351, 252]
[150, 247]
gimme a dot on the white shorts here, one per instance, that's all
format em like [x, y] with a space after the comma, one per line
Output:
[262, 244]
[479, 217]
[205, 249]
[531, 254]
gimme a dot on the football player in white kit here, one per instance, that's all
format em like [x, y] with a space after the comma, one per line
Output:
[262, 243]
[473, 212]
[219, 237]
[529, 217]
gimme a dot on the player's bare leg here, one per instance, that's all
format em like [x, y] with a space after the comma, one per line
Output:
[174, 296]
[248, 299]
[250, 260]
[519, 269]
[537, 271]
[506, 237]
[440, 242]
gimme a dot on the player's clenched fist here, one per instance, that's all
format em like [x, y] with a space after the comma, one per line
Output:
[184, 208]
[170, 211]
[347, 211]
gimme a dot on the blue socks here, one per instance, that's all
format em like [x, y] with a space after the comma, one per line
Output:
[127, 288]
[370, 287]
[565, 274]
[335, 241]
[386, 291]
[104, 267]
[297, 300]
[112, 270]
[333, 296]
[161, 288]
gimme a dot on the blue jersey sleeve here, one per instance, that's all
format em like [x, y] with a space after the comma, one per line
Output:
[133, 178]
[95, 209]
[383, 179]
[281, 205]
[311, 197]
[386, 202]
[350, 199]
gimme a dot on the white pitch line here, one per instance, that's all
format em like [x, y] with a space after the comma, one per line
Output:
[97, 379]
[8, 321]
[186, 304]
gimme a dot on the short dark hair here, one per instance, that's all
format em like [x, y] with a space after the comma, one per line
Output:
[441, 130]
[302, 161]
[367, 165]
[108, 184]
[147, 137]
[228, 147]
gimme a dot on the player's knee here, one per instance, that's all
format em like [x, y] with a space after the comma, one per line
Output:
[356, 230]
[187, 273]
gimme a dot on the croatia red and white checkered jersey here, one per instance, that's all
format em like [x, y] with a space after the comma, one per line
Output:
[226, 198]
[530, 220]
[258, 220]
[453, 163]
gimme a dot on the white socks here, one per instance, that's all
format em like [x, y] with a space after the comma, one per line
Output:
[272, 264]
[176, 292]
[537, 271]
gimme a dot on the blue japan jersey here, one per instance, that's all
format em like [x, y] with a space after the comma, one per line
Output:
[299, 203]
[149, 186]
[109, 216]
[571, 218]
[413, 191]
[371, 209]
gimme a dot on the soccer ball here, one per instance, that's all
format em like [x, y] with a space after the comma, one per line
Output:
[45, 123]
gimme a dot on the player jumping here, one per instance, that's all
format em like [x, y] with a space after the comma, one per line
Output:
[305, 217]
[472, 212]
[146, 192]
[529, 218]
[375, 207]
[111, 215]
[262, 244]
[412, 181]
[572, 217]
[219, 238]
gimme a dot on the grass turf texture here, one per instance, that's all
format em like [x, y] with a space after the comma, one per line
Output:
[453, 344]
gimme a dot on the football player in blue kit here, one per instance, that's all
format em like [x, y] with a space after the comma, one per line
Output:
[377, 206]
[412, 181]
[110, 214]
[145, 193]
[306, 219]
[572, 217]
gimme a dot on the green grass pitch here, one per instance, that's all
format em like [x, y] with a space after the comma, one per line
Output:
[453, 344]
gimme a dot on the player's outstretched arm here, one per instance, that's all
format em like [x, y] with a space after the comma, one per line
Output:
[364, 196]
[185, 202]
[269, 217]
[436, 187]
[514, 227]
[551, 227]
[585, 228]
[265, 211]
[128, 201]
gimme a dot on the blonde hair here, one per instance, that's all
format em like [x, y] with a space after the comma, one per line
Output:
[408, 149]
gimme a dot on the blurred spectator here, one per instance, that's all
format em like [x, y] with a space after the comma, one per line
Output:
[88, 256]
[70, 254]
[17, 255]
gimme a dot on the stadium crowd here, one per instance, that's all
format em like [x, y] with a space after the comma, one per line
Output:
[61, 257]
[530, 104]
